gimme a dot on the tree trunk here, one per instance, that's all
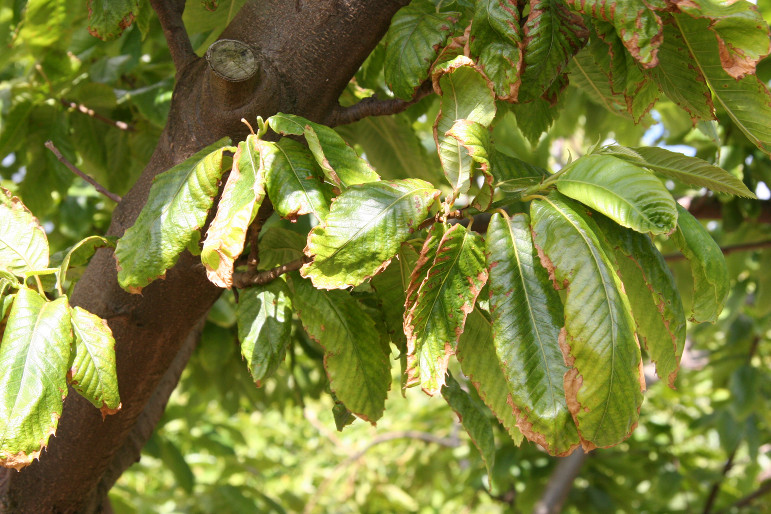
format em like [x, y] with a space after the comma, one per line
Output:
[307, 51]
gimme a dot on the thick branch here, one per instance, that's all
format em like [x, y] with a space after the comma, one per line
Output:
[560, 483]
[170, 15]
[373, 106]
[709, 207]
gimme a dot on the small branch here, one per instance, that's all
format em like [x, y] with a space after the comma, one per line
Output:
[170, 15]
[560, 483]
[715, 489]
[99, 187]
[709, 207]
[373, 106]
[90, 112]
[242, 279]
[743, 247]
[763, 490]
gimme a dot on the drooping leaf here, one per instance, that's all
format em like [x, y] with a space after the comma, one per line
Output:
[34, 356]
[466, 95]
[746, 101]
[390, 286]
[279, 246]
[80, 253]
[436, 313]
[264, 316]
[172, 218]
[412, 42]
[475, 138]
[682, 82]
[590, 78]
[741, 32]
[241, 198]
[473, 419]
[636, 24]
[294, 180]
[358, 370]
[480, 364]
[109, 18]
[552, 35]
[92, 372]
[710, 274]
[629, 195]
[23, 242]
[339, 161]
[653, 296]
[604, 384]
[690, 170]
[526, 319]
[364, 229]
[496, 37]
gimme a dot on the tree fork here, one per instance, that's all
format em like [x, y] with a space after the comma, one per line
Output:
[306, 53]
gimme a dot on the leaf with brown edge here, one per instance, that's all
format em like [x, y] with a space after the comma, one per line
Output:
[238, 205]
[436, 314]
[496, 38]
[475, 138]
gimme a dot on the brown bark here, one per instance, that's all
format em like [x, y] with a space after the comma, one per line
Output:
[307, 52]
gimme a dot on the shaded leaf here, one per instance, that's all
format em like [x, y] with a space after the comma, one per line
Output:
[627, 194]
[264, 316]
[358, 370]
[92, 372]
[496, 37]
[710, 274]
[592, 80]
[241, 198]
[526, 319]
[34, 357]
[279, 246]
[604, 384]
[364, 229]
[436, 313]
[171, 219]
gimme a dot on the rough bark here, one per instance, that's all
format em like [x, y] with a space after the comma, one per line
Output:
[307, 52]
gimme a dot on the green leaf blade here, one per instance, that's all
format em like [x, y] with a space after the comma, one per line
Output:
[527, 318]
[604, 386]
[496, 38]
[630, 196]
[23, 242]
[171, 220]
[34, 357]
[364, 229]
[109, 18]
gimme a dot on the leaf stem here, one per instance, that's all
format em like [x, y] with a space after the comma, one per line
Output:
[99, 187]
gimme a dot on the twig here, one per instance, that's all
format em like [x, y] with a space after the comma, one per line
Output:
[715, 489]
[243, 279]
[263, 213]
[99, 187]
[373, 106]
[743, 247]
[170, 15]
[709, 207]
[90, 112]
[746, 501]
[560, 483]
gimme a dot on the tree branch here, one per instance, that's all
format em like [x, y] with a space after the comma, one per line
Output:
[99, 187]
[560, 483]
[170, 15]
[373, 106]
[242, 279]
[709, 207]
[746, 501]
[90, 112]
[742, 247]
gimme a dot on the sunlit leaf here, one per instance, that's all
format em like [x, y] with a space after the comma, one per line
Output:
[109, 18]
[80, 254]
[23, 242]
[496, 37]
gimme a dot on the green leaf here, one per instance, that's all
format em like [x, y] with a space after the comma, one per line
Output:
[653, 296]
[627, 194]
[710, 274]
[80, 253]
[294, 180]
[34, 357]
[176, 209]
[690, 170]
[264, 325]
[279, 246]
[638, 26]
[475, 138]
[466, 95]
[14, 125]
[552, 35]
[92, 372]
[109, 18]
[358, 370]
[747, 101]
[412, 42]
[496, 38]
[23, 242]
[241, 198]
[480, 364]
[679, 79]
[473, 419]
[436, 313]
[390, 286]
[364, 229]
[590, 78]
[604, 384]
[526, 319]
[340, 163]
